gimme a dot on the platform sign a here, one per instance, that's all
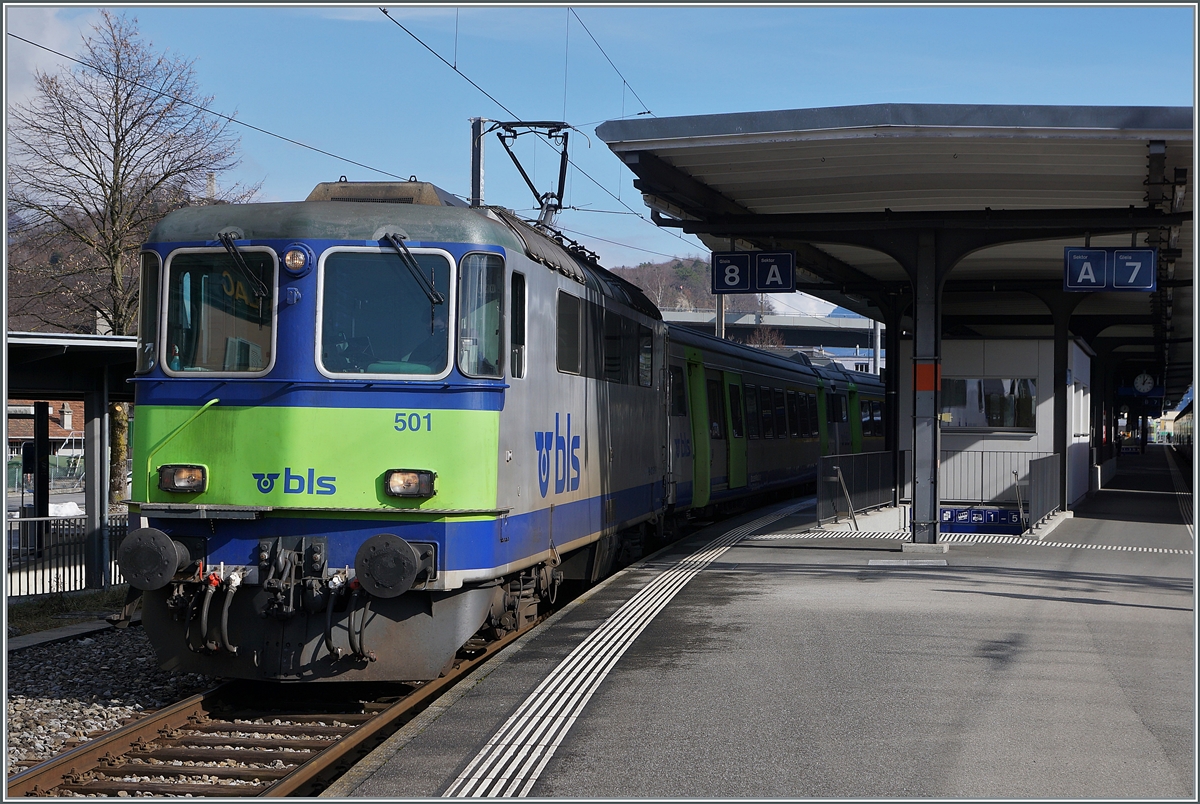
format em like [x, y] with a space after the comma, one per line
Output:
[1094, 269]
[1086, 269]
[775, 272]
[731, 272]
[753, 272]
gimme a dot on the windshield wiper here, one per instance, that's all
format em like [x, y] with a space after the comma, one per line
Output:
[410, 262]
[260, 289]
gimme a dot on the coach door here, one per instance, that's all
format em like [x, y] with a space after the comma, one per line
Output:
[701, 437]
[718, 430]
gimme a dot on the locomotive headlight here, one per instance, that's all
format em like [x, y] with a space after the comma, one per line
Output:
[409, 483]
[295, 260]
[183, 478]
[298, 259]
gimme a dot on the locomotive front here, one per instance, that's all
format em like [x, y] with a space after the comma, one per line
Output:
[317, 417]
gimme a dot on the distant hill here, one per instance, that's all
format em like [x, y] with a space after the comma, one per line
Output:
[685, 283]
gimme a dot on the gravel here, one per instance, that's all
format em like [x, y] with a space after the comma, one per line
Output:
[63, 691]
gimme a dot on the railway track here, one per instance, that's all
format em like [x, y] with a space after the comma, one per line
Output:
[242, 739]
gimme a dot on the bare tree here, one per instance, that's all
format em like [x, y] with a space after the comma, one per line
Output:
[98, 156]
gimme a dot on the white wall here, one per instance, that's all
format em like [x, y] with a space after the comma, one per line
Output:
[1009, 359]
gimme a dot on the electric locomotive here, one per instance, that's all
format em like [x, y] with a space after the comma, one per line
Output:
[372, 423]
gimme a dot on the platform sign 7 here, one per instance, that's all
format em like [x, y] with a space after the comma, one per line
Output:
[1135, 269]
[731, 272]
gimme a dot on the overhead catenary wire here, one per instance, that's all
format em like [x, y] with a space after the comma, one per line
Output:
[207, 110]
[513, 114]
[610, 61]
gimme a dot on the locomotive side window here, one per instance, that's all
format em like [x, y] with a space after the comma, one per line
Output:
[516, 361]
[377, 318]
[568, 333]
[480, 313]
[793, 406]
[716, 411]
[678, 398]
[735, 411]
[752, 419]
[781, 430]
[767, 407]
[215, 320]
[148, 314]
[645, 357]
[612, 346]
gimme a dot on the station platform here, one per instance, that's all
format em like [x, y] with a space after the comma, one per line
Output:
[762, 658]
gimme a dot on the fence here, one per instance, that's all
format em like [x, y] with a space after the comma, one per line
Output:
[50, 554]
[1044, 487]
[867, 478]
[985, 477]
[66, 472]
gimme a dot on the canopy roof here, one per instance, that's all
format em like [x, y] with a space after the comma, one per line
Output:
[1005, 188]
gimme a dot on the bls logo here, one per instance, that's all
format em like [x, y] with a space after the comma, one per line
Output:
[566, 458]
[296, 483]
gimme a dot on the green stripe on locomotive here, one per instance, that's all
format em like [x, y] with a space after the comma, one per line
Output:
[305, 457]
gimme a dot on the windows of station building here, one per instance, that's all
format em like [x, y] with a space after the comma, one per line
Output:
[752, 418]
[990, 404]
[736, 421]
[676, 391]
[716, 410]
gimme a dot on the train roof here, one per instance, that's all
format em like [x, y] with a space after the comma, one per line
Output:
[420, 210]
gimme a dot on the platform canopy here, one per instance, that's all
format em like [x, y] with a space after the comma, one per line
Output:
[1006, 188]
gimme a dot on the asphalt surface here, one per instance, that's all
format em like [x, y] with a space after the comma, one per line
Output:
[799, 668]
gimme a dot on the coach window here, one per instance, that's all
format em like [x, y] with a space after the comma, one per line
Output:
[516, 360]
[480, 312]
[793, 407]
[837, 409]
[735, 411]
[780, 415]
[568, 333]
[876, 418]
[678, 398]
[865, 419]
[814, 416]
[752, 421]
[148, 319]
[767, 407]
[716, 411]
[802, 414]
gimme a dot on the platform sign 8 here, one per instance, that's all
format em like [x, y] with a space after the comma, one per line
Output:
[731, 272]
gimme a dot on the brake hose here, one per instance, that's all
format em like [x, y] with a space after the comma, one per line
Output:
[210, 587]
[354, 648]
[231, 586]
[333, 590]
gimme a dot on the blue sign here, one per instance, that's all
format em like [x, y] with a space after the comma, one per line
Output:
[1094, 269]
[731, 272]
[753, 272]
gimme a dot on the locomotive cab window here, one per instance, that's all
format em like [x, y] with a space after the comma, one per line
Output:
[148, 314]
[216, 320]
[480, 313]
[378, 317]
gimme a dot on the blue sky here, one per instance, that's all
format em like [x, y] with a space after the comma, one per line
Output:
[348, 80]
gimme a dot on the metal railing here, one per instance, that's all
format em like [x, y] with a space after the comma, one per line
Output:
[1044, 488]
[47, 555]
[984, 477]
[850, 484]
